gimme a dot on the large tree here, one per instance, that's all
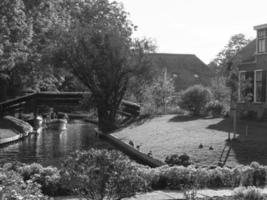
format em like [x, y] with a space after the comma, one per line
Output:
[97, 46]
[15, 37]
[226, 62]
[26, 30]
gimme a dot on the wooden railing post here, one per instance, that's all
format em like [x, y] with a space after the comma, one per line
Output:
[1, 193]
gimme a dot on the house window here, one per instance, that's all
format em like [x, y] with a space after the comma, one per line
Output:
[262, 38]
[242, 93]
[252, 86]
[246, 88]
[260, 86]
[261, 45]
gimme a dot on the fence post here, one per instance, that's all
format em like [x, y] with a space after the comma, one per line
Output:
[1, 193]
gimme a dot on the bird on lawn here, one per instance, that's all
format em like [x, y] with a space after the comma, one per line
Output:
[200, 146]
[131, 143]
[211, 148]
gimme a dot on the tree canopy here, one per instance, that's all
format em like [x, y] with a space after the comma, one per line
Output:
[96, 45]
[226, 62]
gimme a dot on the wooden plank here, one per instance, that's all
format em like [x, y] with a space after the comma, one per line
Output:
[17, 100]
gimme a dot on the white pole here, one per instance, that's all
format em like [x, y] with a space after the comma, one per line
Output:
[234, 120]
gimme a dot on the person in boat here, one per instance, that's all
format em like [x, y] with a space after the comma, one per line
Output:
[65, 116]
[53, 114]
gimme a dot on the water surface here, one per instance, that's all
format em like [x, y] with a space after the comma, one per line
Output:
[50, 147]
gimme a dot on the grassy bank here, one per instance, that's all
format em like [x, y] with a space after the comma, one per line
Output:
[170, 134]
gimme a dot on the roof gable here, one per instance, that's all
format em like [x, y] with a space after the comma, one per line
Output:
[188, 67]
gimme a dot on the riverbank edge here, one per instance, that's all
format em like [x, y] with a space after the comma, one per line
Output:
[130, 151]
[19, 136]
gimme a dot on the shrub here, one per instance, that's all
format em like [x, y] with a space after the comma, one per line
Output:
[249, 193]
[15, 188]
[99, 174]
[259, 175]
[178, 177]
[215, 108]
[175, 159]
[48, 177]
[194, 99]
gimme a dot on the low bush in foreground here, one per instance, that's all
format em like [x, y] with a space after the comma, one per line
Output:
[14, 187]
[249, 193]
[99, 174]
[102, 174]
[179, 177]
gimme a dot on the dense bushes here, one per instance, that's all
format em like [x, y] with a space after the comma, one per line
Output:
[178, 177]
[48, 177]
[99, 174]
[175, 159]
[14, 187]
[215, 108]
[96, 174]
[194, 99]
[249, 193]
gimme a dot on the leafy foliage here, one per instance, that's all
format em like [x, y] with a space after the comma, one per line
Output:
[15, 188]
[249, 193]
[16, 34]
[100, 174]
[220, 90]
[179, 177]
[48, 178]
[157, 95]
[215, 108]
[194, 99]
[227, 61]
[97, 47]
[175, 159]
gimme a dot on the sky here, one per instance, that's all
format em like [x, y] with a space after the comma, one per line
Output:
[201, 27]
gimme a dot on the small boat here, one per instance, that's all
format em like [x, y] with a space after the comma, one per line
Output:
[58, 124]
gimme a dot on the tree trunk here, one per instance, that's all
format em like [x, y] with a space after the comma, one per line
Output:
[106, 122]
[3, 90]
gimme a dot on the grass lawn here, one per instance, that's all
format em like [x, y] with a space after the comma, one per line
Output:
[5, 130]
[170, 134]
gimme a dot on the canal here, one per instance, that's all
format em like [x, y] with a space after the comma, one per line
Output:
[50, 147]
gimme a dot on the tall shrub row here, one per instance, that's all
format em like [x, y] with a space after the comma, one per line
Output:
[179, 177]
[103, 173]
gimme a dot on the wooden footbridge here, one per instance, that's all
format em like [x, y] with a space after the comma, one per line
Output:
[31, 103]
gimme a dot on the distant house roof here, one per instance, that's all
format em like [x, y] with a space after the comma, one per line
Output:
[186, 69]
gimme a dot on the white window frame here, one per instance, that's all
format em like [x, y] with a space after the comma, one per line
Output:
[255, 81]
[239, 86]
[264, 38]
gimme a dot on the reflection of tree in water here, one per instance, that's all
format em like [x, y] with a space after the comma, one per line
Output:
[50, 146]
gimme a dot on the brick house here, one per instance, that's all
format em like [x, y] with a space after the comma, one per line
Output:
[252, 76]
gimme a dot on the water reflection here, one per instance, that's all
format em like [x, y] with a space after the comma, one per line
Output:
[50, 147]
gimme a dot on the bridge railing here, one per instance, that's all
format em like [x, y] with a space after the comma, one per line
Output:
[56, 98]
